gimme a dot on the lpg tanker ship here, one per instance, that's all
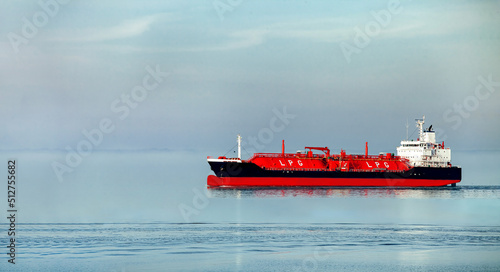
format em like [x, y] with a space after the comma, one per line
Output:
[420, 163]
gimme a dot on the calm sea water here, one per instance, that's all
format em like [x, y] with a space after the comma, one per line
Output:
[256, 247]
[269, 246]
[159, 216]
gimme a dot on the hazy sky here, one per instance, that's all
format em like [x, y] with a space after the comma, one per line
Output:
[193, 74]
[189, 75]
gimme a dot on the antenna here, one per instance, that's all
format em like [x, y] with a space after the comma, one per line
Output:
[420, 124]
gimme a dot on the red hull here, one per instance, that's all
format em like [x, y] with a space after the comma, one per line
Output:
[232, 182]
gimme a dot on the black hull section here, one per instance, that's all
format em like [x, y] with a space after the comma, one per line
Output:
[245, 169]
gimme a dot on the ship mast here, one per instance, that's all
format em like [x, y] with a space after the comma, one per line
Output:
[239, 146]
[420, 125]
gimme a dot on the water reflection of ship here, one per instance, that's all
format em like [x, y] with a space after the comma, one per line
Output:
[368, 192]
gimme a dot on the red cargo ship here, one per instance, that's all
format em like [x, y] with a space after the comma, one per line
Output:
[420, 163]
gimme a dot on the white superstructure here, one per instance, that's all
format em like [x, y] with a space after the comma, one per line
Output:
[425, 151]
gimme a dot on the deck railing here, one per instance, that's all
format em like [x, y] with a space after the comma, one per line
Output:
[333, 170]
[332, 157]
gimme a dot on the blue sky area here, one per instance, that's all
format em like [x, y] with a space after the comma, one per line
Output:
[348, 72]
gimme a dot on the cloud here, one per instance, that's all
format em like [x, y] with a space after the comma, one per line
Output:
[315, 30]
[235, 40]
[123, 30]
[414, 22]
[126, 29]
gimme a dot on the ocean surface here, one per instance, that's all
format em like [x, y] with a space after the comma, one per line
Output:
[270, 246]
[151, 211]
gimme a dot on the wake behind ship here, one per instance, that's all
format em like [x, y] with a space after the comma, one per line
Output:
[420, 163]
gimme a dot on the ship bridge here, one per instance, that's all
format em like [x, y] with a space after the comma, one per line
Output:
[425, 151]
